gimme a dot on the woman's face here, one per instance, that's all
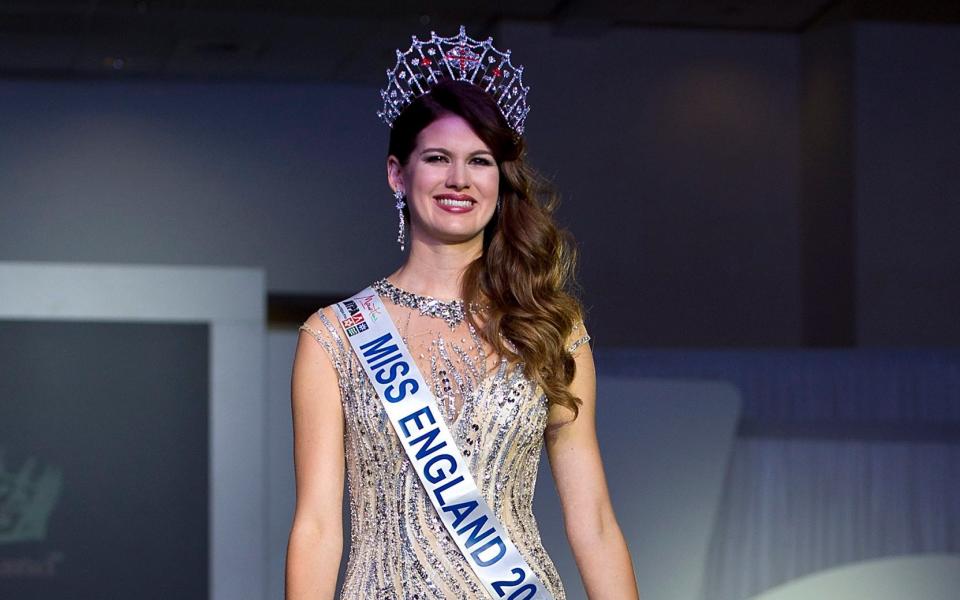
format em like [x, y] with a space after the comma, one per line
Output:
[451, 182]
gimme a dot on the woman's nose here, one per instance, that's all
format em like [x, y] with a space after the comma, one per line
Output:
[457, 176]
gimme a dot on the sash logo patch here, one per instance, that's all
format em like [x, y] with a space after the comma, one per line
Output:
[355, 323]
[370, 306]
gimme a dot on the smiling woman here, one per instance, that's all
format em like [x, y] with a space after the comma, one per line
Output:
[452, 170]
[440, 432]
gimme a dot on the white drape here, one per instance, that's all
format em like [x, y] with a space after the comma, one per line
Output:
[843, 455]
[793, 507]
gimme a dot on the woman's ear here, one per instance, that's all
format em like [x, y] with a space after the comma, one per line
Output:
[394, 173]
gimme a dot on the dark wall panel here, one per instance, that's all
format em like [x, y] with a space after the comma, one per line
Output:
[104, 478]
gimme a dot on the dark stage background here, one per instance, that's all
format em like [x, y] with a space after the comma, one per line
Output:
[104, 478]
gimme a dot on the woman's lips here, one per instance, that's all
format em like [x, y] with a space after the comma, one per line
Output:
[454, 205]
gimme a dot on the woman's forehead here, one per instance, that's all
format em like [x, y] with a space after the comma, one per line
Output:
[453, 133]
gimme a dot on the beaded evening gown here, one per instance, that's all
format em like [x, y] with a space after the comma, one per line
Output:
[399, 549]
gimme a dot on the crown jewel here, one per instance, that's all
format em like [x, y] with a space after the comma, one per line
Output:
[461, 58]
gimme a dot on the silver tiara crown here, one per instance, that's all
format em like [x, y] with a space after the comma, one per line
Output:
[461, 58]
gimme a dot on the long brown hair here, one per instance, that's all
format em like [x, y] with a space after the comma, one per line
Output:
[527, 271]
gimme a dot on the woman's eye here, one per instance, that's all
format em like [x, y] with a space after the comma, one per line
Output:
[441, 158]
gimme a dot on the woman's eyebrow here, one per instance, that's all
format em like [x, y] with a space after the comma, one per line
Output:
[445, 151]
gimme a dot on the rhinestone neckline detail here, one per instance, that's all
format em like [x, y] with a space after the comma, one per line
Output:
[451, 311]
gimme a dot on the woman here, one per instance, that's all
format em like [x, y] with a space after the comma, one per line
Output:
[482, 305]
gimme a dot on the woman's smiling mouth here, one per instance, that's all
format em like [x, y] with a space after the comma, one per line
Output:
[456, 203]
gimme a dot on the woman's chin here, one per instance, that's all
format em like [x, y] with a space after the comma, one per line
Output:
[451, 237]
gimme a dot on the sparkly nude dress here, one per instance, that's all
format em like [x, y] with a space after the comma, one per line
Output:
[399, 549]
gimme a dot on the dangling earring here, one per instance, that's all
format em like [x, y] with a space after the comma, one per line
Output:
[499, 204]
[400, 204]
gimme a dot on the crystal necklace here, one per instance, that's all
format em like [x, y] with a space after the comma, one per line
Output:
[451, 311]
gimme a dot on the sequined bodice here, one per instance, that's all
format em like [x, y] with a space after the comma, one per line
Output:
[399, 548]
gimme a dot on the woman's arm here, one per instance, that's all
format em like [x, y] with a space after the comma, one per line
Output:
[315, 546]
[596, 540]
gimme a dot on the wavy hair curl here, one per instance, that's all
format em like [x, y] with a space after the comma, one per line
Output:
[526, 273]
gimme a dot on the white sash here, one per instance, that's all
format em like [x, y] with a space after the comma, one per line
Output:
[432, 451]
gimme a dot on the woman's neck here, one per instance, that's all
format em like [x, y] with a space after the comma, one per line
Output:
[435, 269]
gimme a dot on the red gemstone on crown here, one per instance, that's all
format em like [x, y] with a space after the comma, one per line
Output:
[496, 71]
[425, 61]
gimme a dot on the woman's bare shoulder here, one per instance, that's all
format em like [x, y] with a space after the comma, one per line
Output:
[318, 359]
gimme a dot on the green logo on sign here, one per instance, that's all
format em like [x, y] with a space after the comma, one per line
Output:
[27, 498]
